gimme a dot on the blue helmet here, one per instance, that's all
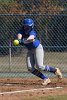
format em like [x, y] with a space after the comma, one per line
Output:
[28, 22]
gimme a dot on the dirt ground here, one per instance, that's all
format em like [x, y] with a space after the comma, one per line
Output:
[26, 88]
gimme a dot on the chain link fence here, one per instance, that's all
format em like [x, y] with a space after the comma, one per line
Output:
[50, 17]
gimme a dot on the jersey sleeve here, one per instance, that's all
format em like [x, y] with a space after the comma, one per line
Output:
[33, 33]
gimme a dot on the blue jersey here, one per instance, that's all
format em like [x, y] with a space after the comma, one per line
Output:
[26, 34]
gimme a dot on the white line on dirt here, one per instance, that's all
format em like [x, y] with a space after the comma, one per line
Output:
[31, 90]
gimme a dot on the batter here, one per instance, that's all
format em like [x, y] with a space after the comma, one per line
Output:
[35, 55]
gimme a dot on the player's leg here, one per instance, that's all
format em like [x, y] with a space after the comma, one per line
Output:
[30, 65]
[56, 71]
[39, 56]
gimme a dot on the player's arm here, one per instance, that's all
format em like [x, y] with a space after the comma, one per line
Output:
[30, 39]
[25, 40]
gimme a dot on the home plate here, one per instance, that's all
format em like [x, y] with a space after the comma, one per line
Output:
[30, 90]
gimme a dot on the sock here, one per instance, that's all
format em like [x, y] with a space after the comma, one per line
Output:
[50, 69]
[39, 74]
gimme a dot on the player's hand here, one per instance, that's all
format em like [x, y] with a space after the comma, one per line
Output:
[20, 41]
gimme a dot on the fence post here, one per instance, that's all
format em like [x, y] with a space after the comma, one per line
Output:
[9, 55]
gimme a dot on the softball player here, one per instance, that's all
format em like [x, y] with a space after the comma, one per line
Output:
[35, 55]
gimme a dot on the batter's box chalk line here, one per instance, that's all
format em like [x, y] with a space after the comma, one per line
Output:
[30, 90]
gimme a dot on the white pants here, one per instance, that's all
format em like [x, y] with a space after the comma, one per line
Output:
[35, 57]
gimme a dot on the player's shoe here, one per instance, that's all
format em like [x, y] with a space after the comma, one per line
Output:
[58, 73]
[46, 82]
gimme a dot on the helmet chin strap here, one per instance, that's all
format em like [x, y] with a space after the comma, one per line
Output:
[33, 26]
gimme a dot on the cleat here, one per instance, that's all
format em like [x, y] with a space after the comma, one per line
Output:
[46, 82]
[58, 73]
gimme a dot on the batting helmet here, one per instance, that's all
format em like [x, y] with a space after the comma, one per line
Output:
[28, 22]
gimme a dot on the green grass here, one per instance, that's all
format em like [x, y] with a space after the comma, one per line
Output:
[6, 1]
[55, 97]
